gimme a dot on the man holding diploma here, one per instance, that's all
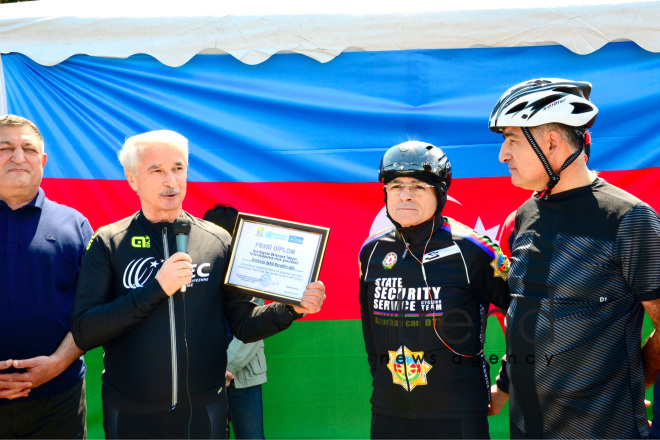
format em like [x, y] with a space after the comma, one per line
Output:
[165, 347]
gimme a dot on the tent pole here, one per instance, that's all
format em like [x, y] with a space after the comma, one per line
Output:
[3, 91]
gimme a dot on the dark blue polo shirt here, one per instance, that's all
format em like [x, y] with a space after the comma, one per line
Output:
[41, 250]
[655, 427]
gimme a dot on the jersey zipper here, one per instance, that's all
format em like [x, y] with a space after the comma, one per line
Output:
[170, 301]
[408, 263]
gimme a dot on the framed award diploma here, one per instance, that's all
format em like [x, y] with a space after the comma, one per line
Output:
[274, 259]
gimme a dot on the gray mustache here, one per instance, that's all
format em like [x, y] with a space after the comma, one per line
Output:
[170, 191]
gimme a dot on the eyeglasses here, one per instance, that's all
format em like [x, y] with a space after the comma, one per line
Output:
[416, 188]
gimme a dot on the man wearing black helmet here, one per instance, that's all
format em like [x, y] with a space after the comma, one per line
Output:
[585, 266]
[425, 288]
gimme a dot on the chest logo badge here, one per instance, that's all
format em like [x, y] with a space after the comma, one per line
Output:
[501, 265]
[141, 242]
[390, 260]
[408, 368]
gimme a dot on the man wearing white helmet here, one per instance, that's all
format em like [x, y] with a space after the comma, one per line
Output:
[585, 264]
[426, 284]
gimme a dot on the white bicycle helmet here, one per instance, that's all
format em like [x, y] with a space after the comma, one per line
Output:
[547, 101]
[544, 101]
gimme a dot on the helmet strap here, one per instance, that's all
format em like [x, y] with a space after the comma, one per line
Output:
[554, 177]
[441, 197]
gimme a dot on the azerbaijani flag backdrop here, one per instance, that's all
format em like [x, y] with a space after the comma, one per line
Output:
[296, 139]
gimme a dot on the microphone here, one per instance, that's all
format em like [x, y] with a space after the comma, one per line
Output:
[181, 230]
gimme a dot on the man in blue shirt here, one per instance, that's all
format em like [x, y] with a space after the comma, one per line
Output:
[42, 393]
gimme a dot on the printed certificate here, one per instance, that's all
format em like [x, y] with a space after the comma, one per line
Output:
[274, 259]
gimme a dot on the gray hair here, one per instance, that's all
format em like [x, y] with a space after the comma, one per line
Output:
[566, 131]
[129, 155]
[19, 121]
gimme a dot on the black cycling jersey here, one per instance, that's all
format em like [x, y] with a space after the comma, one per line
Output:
[154, 344]
[415, 374]
[582, 262]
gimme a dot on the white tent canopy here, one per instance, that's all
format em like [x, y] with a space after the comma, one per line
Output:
[295, 139]
[51, 31]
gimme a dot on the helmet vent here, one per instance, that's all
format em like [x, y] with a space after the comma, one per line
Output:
[429, 147]
[571, 90]
[517, 108]
[579, 107]
[546, 100]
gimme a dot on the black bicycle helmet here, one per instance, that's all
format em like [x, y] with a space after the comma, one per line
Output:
[420, 160]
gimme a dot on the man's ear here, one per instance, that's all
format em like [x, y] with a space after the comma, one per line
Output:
[555, 141]
[131, 180]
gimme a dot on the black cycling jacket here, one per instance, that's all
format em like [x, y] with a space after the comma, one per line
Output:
[144, 333]
[415, 374]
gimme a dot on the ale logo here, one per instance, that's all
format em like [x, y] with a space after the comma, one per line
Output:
[408, 368]
[141, 242]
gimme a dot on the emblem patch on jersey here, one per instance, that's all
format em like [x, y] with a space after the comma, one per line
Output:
[390, 260]
[501, 265]
[408, 368]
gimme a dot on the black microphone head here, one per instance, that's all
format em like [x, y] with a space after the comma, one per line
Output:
[181, 226]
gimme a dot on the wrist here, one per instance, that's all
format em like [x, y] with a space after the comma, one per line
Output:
[293, 313]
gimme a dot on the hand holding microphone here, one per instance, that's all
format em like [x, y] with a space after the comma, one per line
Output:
[181, 230]
[176, 272]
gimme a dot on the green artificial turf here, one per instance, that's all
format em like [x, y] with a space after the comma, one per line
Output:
[318, 382]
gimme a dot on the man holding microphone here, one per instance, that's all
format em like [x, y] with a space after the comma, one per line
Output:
[165, 351]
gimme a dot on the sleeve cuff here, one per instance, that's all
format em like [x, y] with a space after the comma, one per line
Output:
[649, 296]
[293, 313]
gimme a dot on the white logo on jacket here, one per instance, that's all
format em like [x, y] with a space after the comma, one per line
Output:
[141, 270]
[441, 253]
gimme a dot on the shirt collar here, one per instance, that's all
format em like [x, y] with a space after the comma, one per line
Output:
[37, 202]
[158, 226]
